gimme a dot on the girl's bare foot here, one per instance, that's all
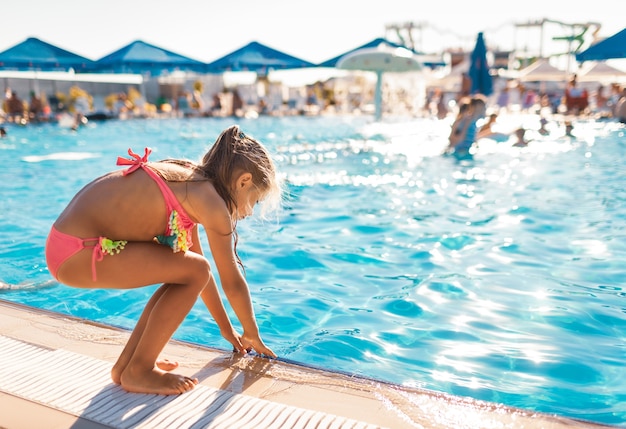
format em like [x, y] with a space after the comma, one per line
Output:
[156, 381]
[164, 364]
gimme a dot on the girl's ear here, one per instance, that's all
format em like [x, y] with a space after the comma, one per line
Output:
[244, 180]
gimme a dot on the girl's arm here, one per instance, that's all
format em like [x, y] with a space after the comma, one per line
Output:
[458, 132]
[236, 289]
[210, 210]
[213, 301]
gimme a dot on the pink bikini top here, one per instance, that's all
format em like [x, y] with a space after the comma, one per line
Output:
[179, 225]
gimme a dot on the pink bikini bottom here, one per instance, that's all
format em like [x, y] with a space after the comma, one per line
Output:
[60, 247]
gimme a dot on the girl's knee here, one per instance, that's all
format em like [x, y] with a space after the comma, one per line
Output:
[200, 271]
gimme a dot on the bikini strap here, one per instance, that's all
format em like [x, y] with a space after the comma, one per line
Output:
[104, 246]
[97, 255]
[136, 161]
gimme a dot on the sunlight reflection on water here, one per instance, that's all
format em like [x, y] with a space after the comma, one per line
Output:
[498, 277]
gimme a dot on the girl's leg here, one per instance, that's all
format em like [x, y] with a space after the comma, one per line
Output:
[141, 264]
[141, 373]
[131, 345]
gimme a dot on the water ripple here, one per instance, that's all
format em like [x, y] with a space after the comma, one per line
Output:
[499, 277]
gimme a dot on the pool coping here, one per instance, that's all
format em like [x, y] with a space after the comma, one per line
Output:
[375, 402]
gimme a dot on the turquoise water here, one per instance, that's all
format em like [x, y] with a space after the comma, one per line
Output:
[500, 277]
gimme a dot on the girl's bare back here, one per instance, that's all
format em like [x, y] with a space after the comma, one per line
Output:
[121, 207]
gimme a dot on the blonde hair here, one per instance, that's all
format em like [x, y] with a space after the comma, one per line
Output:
[234, 153]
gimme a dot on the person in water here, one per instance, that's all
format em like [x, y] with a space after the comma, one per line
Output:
[139, 227]
[464, 130]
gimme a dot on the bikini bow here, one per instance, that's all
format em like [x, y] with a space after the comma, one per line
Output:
[134, 163]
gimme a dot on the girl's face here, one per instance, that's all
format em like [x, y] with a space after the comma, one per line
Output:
[247, 195]
[246, 200]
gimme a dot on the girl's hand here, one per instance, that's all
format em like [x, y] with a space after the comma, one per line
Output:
[234, 338]
[255, 342]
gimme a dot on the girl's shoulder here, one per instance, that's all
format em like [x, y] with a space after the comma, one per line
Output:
[174, 170]
[459, 125]
[207, 206]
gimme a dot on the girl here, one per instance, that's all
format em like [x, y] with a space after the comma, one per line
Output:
[139, 227]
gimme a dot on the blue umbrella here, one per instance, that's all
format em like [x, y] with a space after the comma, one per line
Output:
[258, 58]
[482, 82]
[143, 58]
[35, 54]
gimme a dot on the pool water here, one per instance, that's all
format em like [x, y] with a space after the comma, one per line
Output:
[500, 277]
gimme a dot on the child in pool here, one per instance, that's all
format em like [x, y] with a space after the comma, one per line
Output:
[119, 233]
[464, 129]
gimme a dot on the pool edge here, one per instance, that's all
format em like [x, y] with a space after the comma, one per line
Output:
[363, 399]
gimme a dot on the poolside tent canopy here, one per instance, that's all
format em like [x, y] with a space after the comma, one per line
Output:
[610, 48]
[600, 71]
[542, 71]
[144, 58]
[256, 57]
[35, 54]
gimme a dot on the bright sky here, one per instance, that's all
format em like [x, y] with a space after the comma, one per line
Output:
[314, 30]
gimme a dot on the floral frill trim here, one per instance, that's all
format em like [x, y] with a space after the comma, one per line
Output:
[111, 247]
[178, 239]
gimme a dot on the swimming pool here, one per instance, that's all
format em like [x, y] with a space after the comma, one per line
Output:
[499, 277]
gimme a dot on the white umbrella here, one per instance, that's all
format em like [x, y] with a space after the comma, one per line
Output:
[601, 72]
[542, 71]
[380, 59]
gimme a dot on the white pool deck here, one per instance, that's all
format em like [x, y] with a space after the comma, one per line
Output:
[54, 374]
